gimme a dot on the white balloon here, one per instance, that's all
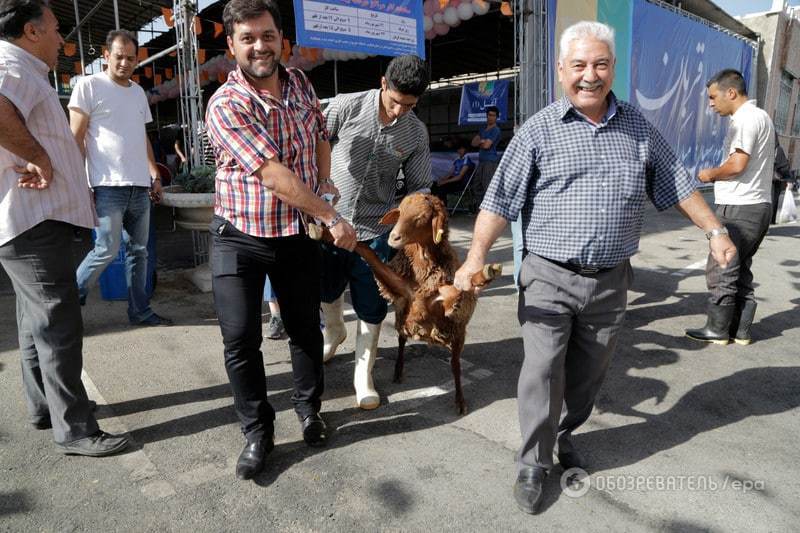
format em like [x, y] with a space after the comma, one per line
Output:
[427, 22]
[326, 54]
[437, 18]
[480, 7]
[465, 11]
[450, 17]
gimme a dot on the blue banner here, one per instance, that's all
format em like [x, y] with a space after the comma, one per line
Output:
[390, 28]
[672, 58]
[476, 97]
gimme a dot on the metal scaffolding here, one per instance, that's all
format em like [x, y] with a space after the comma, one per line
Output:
[191, 100]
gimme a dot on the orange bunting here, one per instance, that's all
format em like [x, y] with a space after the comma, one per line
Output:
[198, 26]
[77, 67]
[168, 73]
[218, 29]
[148, 72]
[222, 77]
[201, 56]
[157, 79]
[69, 49]
[142, 55]
[168, 15]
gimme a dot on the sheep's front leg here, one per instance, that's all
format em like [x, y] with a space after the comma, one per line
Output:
[455, 365]
[398, 364]
[398, 287]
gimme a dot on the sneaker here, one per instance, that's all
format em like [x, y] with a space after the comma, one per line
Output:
[98, 444]
[275, 329]
[154, 320]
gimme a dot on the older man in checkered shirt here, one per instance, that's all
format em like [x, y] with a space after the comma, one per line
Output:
[578, 171]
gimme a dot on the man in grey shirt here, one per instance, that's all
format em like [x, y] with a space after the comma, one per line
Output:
[374, 137]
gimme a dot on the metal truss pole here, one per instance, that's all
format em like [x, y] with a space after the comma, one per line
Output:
[533, 57]
[190, 101]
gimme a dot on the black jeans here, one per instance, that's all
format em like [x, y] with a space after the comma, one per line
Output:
[239, 264]
[747, 225]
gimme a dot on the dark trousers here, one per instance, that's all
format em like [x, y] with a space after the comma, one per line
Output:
[747, 225]
[239, 264]
[50, 328]
[569, 325]
[453, 187]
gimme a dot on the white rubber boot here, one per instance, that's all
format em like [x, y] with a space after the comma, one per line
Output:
[334, 332]
[366, 351]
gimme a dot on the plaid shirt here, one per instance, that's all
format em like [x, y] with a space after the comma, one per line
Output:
[581, 187]
[247, 126]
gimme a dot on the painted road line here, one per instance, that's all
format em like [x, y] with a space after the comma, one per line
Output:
[141, 469]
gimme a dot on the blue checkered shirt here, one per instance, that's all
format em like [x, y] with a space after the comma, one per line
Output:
[581, 187]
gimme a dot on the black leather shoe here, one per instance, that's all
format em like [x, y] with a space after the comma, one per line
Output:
[99, 444]
[571, 460]
[528, 489]
[251, 460]
[154, 320]
[314, 430]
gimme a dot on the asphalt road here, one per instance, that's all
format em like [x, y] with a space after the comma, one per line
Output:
[685, 437]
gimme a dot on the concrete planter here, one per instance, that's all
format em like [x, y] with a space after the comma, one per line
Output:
[192, 210]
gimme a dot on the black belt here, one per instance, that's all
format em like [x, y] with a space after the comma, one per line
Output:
[582, 270]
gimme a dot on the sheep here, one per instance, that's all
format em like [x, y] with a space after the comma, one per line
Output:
[418, 281]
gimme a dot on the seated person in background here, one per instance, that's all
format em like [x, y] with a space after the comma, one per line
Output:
[462, 168]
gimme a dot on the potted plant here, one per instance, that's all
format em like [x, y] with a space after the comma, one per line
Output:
[192, 196]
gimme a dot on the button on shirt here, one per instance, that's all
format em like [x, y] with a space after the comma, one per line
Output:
[581, 187]
[247, 126]
[24, 82]
[367, 157]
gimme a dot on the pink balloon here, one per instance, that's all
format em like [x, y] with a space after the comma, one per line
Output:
[429, 7]
[454, 3]
[430, 34]
[441, 29]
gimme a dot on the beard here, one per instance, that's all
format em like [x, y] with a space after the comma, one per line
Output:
[261, 71]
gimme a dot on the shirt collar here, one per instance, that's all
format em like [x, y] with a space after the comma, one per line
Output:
[751, 102]
[22, 54]
[565, 106]
[283, 76]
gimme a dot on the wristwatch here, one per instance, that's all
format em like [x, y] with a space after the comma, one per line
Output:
[335, 220]
[717, 231]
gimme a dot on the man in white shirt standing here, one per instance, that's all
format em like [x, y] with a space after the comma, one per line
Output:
[108, 113]
[43, 197]
[742, 194]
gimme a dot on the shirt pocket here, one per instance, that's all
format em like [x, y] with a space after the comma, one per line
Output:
[388, 168]
[633, 177]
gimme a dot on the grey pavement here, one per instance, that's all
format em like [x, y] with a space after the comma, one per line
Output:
[685, 437]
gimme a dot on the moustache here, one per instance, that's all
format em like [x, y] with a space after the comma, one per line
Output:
[585, 85]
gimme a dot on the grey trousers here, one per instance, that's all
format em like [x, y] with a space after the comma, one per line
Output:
[569, 329]
[747, 226]
[50, 328]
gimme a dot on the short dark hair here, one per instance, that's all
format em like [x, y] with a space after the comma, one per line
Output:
[124, 35]
[729, 79]
[407, 75]
[494, 109]
[238, 11]
[14, 14]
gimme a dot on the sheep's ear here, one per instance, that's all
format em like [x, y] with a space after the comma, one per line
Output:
[391, 218]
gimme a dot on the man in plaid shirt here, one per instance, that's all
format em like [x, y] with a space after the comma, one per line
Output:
[270, 144]
[578, 171]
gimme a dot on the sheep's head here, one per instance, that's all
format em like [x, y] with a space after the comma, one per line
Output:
[420, 219]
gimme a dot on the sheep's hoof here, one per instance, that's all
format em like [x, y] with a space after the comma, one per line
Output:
[492, 271]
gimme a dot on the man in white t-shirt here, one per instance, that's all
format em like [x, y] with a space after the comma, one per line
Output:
[742, 194]
[108, 113]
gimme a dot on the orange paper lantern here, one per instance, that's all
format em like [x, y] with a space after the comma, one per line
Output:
[142, 55]
[135, 78]
[218, 29]
[69, 49]
[198, 26]
[157, 80]
[169, 18]
[77, 67]
[148, 72]
[222, 77]
[201, 56]
[168, 73]
[65, 79]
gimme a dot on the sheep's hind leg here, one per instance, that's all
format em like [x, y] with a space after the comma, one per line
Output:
[455, 365]
[398, 364]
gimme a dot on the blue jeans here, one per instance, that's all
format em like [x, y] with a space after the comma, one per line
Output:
[340, 268]
[121, 208]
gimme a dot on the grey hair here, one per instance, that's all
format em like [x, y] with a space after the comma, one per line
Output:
[586, 30]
